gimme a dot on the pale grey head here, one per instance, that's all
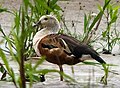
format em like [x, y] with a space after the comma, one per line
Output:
[48, 21]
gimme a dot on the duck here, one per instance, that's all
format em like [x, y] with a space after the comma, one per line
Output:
[59, 48]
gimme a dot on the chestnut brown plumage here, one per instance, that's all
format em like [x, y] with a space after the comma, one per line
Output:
[60, 48]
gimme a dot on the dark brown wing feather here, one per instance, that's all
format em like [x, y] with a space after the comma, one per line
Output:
[78, 49]
[72, 43]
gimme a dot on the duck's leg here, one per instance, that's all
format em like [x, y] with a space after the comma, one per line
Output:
[61, 70]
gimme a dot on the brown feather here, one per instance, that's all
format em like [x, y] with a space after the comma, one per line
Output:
[56, 55]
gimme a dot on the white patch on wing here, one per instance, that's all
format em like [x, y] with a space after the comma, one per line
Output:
[66, 46]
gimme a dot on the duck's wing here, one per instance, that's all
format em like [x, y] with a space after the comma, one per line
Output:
[69, 45]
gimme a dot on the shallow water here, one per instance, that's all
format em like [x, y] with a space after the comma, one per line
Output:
[85, 75]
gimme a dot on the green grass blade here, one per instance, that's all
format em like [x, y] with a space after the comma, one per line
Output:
[4, 58]
[39, 62]
[95, 20]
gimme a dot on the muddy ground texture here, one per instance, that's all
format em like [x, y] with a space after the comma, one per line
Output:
[87, 76]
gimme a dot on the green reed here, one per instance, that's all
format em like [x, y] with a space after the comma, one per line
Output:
[19, 42]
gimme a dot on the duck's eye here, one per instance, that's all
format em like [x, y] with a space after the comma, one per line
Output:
[45, 18]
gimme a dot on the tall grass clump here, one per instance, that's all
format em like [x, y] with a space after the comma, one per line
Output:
[91, 25]
[18, 42]
[111, 35]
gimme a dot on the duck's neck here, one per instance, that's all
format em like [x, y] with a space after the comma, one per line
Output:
[44, 32]
[52, 30]
[49, 30]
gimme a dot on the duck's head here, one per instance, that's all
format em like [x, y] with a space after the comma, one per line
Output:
[48, 21]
